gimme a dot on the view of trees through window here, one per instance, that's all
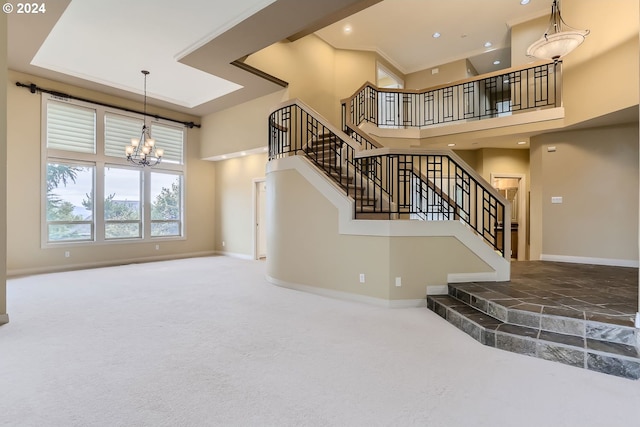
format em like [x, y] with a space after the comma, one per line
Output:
[66, 185]
[70, 203]
[166, 204]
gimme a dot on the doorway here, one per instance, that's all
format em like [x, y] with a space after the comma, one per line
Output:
[512, 187]
[260, 218]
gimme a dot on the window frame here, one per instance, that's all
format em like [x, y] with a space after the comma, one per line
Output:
[47, 222]
[181, 222]
[99, 160]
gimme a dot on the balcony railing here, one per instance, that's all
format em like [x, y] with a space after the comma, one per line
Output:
[487, 96]
[392, 184]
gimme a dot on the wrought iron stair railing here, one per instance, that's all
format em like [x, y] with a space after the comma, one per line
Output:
[437, 185]
[391, 184]
[487, 96]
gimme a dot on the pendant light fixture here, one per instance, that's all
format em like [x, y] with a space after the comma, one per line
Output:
[143, 151]
[559, 39]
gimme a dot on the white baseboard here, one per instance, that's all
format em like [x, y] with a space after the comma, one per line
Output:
[438, 290]
[330, 293]
[99, 264]
[588, 260]
[4, 318]
[488, 276]
[234, 255]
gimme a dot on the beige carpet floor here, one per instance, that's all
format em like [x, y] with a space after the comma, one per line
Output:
[208, 342]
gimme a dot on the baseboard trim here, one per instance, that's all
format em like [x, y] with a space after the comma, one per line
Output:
[99, 264]
[489, 276]
[4, 318]
[588, 260]
[438, 289]
[235, 255]
[346, 296]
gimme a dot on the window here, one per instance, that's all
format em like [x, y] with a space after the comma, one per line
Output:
[69, 203]
[166, 204]
[71, 128]
[91, 193]
[122, 203]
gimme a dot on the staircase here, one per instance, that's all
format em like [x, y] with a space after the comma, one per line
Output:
[478, 310]
[326, 151]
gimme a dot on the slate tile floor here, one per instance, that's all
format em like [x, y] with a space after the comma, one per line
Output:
[577, 314]
[581, 291]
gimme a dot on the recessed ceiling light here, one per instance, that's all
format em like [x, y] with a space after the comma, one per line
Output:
[243, 154]
[488, 44]
[496, 62]
[224, 157]
[436, 35]
[451, 145]
[523, 2]
[522, 142]
[347, 29]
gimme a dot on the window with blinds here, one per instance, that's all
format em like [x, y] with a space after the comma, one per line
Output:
[91, 193]
[118, 131]
[170, 139]
[71, 127]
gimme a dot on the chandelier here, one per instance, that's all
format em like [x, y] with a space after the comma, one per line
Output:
[143, 151]
[557, 41]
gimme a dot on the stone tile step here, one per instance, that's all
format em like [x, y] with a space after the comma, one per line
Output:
[596, 355]
[552, 319]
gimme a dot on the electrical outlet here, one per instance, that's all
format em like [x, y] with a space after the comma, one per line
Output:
[398, 281]
[67, 254]
[224, 243]
[361, 277]
[157, 247]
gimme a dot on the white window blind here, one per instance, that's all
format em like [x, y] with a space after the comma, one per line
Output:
[170, 139]
[118, 131]
[71, 127]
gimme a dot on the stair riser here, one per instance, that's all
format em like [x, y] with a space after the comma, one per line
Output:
[627, 367]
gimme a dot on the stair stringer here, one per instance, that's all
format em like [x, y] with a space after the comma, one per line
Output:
[495, 267]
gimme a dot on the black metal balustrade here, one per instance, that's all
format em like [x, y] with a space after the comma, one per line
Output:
[432, 187]
[487, 96]
[386, 184]
[295, 131]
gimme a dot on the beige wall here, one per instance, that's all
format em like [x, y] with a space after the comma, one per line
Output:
[596, 173]
[3, 170]
[243, 127]
[235, 203]
[305, 248]
[447, 73]
[523, 35]
[24, 192]
[318, 74]
[502, 160]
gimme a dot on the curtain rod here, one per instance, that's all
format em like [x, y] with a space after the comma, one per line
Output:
[33, 89]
